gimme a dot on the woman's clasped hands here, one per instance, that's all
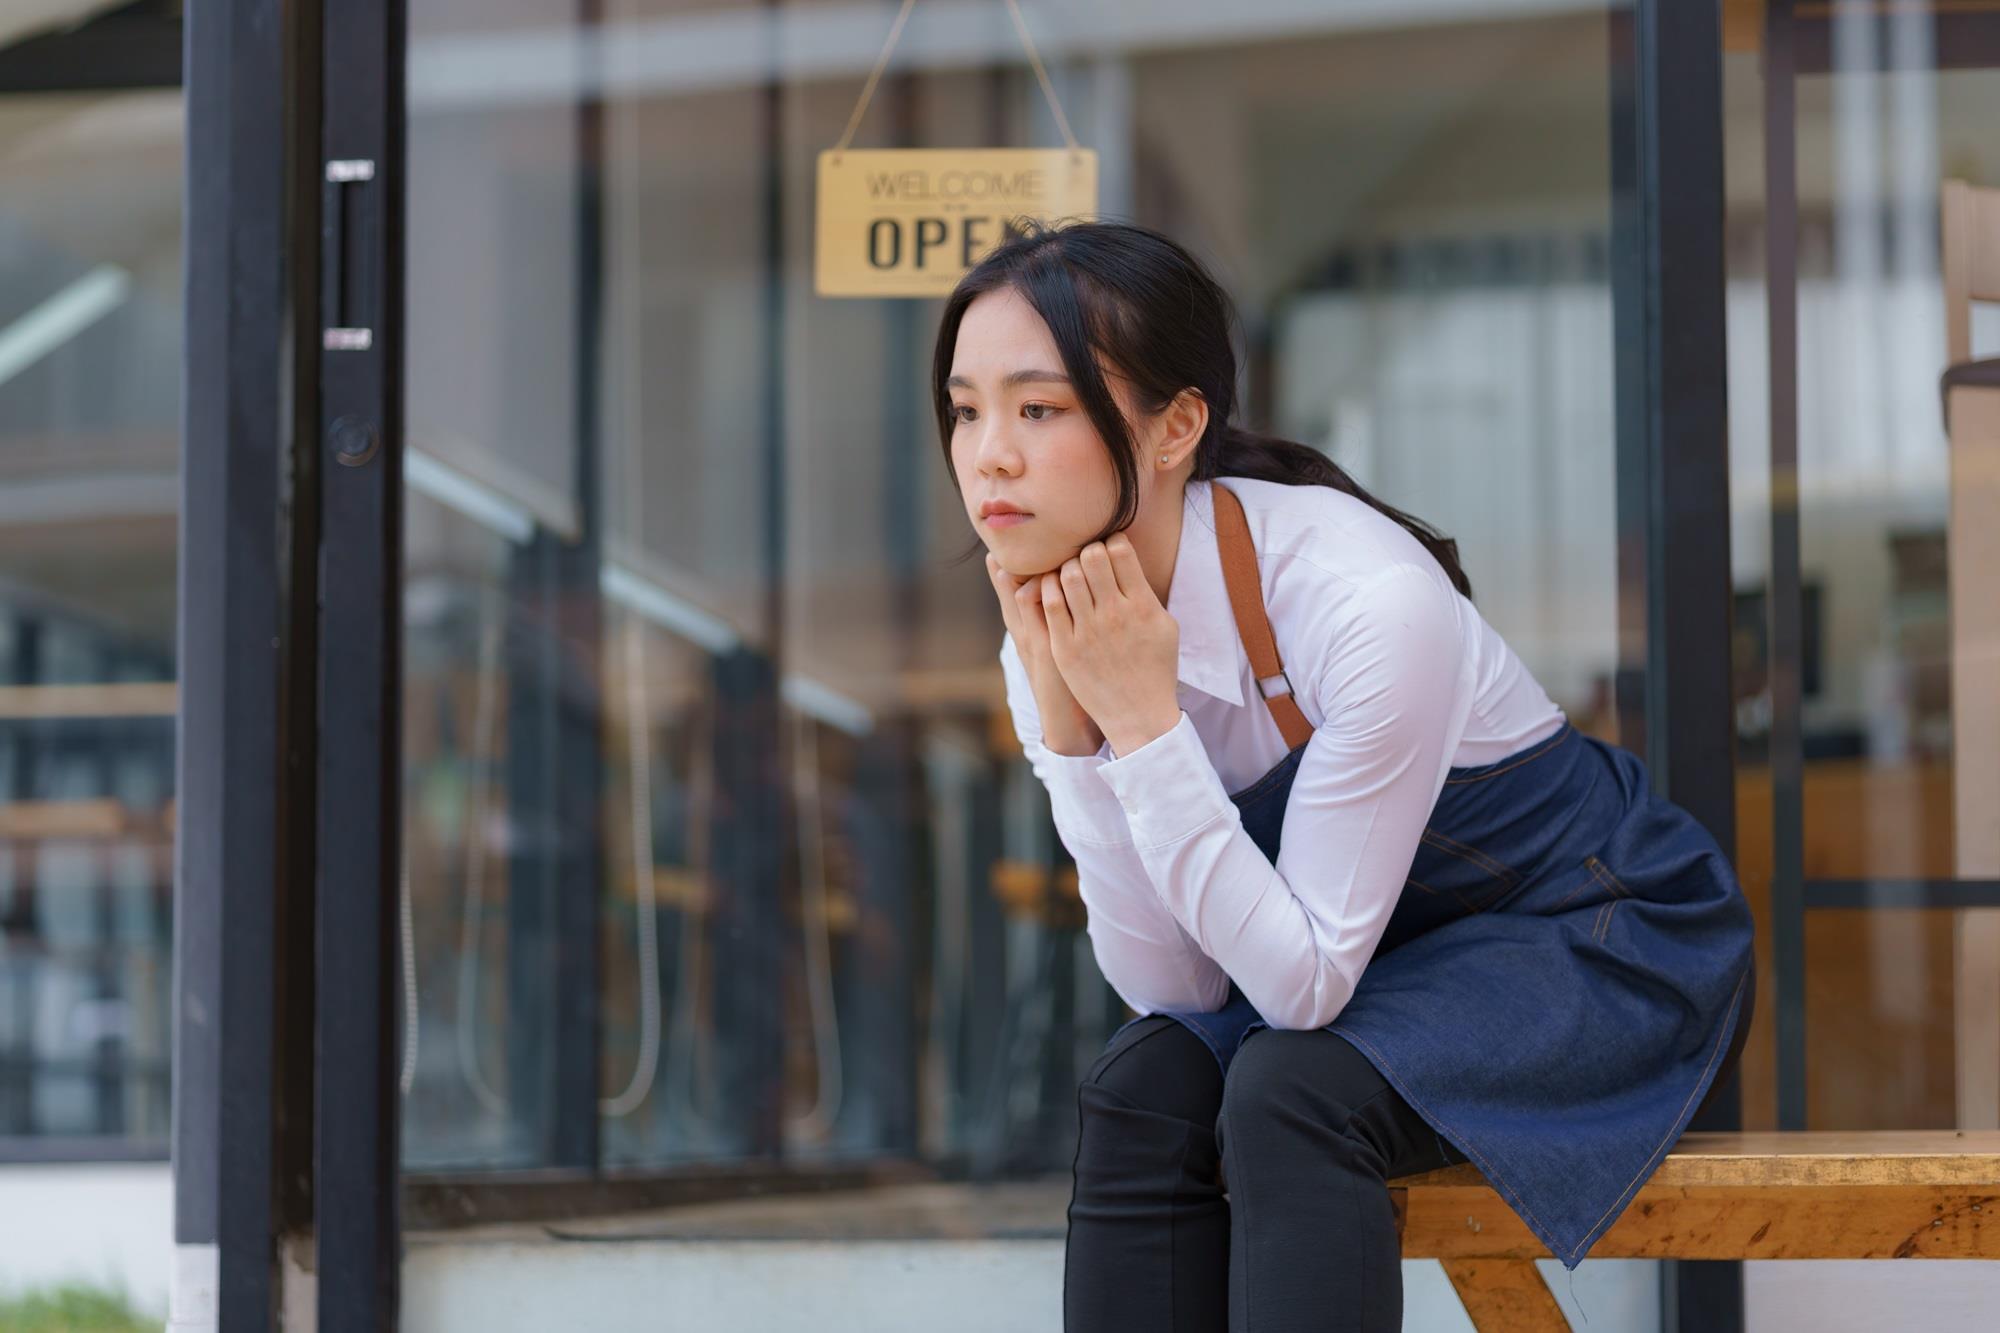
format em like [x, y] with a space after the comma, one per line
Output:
[1101, 652]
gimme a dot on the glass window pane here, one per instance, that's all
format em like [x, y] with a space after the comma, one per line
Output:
[688, 630]
[90, 342]
[1894, 1036]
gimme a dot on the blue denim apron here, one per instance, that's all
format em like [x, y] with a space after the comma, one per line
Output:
[1558, 983]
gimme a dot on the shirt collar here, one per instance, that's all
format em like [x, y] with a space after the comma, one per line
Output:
[1212, 656]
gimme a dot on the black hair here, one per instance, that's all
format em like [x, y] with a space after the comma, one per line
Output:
[1150, 308]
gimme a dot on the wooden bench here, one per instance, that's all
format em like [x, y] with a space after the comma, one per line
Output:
[1919, 1195]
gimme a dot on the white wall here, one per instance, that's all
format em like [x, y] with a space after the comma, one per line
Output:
[111, 1225]
[854, 1287]
[1938, 1296]
[1010, 1286]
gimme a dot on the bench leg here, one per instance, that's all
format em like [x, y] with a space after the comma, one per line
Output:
[1505, 1296]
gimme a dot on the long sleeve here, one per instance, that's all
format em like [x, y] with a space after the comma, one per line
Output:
[1143, 952]
[1296, 935]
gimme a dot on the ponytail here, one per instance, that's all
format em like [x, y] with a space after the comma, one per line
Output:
[1243, 453]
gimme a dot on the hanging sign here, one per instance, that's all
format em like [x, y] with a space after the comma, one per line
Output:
[910, 221]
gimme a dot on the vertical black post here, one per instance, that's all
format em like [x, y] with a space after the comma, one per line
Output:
[1690, 409]
[359, 338]
[750, 842]
[534, 689]
[748, 932]
[1783, 604]
[579, 972]
[110, 1053]
[1633, 702]
[249, 263]
[556, 867]
[1674, 443]
[889, 759]
[18, 1083]
[883, 1082]
[555, 739]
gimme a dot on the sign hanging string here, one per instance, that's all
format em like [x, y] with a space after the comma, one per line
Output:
[896, 31]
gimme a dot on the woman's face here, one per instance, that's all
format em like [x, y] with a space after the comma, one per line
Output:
[1020, 435]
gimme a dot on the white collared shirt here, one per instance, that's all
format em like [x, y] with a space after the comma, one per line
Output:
[1401, 678]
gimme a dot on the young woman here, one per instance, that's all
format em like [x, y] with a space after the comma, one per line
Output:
[1379, 906]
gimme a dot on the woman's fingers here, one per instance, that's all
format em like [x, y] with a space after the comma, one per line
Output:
[1077, 594]
[1021, 608]
[1124, 558]
[1055, 606]
[1095, 560]
[1028, 608]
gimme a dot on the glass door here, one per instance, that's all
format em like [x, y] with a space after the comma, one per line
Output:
[1864, 637]
[718, 852]
[90, 309]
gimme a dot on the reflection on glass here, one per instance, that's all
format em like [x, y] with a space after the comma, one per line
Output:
[90, 335]
[1878, 135]
[688, 642]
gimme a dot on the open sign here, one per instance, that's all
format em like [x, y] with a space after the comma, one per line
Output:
[911, 221]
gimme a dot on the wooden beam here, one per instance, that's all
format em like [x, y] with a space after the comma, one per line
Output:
[1505, 1296]
[97, 817]
[1743, 20]
[127, 699]
[1918, 1195]
[1800, 1158]
[1742, 25]
[1727, 1222]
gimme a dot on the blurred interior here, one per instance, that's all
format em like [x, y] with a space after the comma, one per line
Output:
[1877, 136]
[90, 336]
[1421, 267]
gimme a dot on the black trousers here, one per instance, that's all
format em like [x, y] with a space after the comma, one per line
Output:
[1306, 1133]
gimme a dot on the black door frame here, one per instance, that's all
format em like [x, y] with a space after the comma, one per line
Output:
[359, 338]
[286, 1111]
[1673, 466]
[245, 850]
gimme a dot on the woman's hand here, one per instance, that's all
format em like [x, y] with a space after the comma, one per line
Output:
[1066, 728]
[1117, 648]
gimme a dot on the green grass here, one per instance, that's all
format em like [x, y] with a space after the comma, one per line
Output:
[72, 1308]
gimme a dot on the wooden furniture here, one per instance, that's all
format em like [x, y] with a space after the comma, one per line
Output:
[1971, 258]
[1919, 1195]
[1028, 891]
[1878, 991]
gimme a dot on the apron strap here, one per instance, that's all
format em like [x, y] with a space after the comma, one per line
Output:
[1246, 599]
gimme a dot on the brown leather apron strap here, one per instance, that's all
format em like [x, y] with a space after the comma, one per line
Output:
[1246, 599]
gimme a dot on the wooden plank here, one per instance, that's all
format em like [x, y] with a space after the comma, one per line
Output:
[1505, 1296]
[1776, 1158]
[1742, 25]
[27, 821]
[1712, 1222]
[126, 699]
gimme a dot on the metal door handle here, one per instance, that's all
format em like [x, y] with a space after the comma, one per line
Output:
[347, 329]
